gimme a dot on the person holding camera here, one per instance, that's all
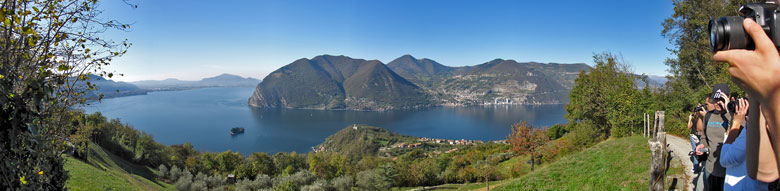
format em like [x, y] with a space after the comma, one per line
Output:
[732, 155]
[754, 65]
[716, 121]
[693, 124]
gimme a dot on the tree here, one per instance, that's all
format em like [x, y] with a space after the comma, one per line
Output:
[261, 163]
[526, 139]
[424, 172]
[373, 179]
[693, 72]
[46, 48]
[228, 162]
[608, 96]
[162, 172]
[486, 172]
[342, 183]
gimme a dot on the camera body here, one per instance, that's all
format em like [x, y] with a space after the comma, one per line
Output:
[727, 32]
[732, 106]
[699, 108]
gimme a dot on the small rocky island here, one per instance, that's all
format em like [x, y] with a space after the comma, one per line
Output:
[236, 130]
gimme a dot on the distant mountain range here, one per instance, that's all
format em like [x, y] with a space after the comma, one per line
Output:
[110, 88]
[223, 80]
[340, 82]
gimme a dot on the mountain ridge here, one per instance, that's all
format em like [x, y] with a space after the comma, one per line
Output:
[341, 82]
[222, 80]
[336, 82]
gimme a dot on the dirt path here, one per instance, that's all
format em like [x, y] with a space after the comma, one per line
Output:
[680, 148]
[493, 185]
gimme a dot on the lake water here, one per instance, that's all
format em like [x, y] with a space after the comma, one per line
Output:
[204, 118]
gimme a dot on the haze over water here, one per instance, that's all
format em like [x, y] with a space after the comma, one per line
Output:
[204, 117]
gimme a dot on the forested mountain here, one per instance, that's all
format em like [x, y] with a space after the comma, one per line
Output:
[337, 82]
[340, 82]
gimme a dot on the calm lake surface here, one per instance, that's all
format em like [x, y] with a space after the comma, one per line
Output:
[204, 118]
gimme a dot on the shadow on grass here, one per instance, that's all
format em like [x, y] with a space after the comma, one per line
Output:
[125, 165]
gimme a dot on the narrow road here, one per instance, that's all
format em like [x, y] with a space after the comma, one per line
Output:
[680, 148]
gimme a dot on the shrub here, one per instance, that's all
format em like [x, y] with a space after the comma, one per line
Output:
[183, 184]
[262, 181]
[215, 181]
[199, 185]
[162, 172]
[373, 179]
[319, 185]
[556, 131]
[342, 183]
[294, 181]
[585, 134]
[174, 174]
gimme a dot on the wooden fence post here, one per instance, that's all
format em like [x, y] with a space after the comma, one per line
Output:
[658, 150]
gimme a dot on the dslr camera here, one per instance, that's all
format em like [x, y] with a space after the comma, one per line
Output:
[727, 32]
[700, 107]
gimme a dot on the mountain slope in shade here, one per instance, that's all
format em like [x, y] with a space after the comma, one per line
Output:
[337, 82]
[420, 71]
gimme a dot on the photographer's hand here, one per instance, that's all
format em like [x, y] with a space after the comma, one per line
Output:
[736, 123]
[757, 70]
[698, 149]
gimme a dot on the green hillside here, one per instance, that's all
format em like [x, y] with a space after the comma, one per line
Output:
[106, 171]
[357, 141]
[617, 164]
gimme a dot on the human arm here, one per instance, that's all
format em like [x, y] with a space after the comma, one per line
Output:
[736, 122]
[732, 154]
[690, 121]
[759, 156]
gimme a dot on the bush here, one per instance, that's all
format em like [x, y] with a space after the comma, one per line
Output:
[174, 174]
[295, 181]
[215, 181]
[162, 172]
[557, 131]
[585, 134]
[373, 179]
[262, 181]
[342, 183]
[183, 184]
[319, 185]
[199, 185]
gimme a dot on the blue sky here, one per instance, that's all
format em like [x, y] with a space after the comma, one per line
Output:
[189, 39]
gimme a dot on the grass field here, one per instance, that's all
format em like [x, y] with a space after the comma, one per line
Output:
[616, 164]
[106, 171]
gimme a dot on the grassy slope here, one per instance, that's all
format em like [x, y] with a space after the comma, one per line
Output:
[106, 171]
[617, 164]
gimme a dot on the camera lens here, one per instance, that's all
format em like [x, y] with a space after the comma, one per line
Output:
[727, 33]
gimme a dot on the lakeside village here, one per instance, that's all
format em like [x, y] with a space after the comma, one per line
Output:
[434, 144]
